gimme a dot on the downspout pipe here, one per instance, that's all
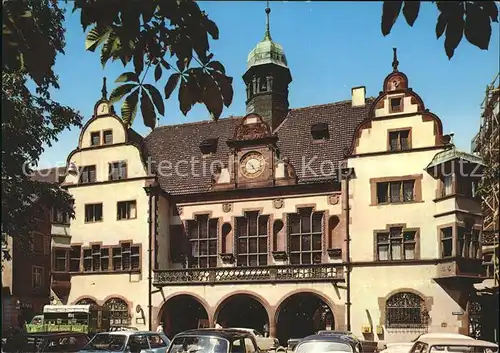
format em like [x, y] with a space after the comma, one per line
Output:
[150, 263]
[347, 174]
[150, 192]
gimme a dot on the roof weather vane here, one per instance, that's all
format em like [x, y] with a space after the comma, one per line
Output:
[395, 61]
[104, 90]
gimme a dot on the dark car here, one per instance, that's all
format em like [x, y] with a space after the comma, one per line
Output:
[214, 341]
[328, 343]
[47, 342]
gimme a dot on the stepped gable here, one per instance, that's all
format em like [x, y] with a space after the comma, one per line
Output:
[176, 143]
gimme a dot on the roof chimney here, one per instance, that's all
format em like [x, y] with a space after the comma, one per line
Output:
[358, 96]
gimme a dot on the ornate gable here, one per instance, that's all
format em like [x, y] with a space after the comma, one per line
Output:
[253, 127]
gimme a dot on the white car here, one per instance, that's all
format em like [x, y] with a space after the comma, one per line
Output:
[264, 343]
[404, 347]
[128, 342]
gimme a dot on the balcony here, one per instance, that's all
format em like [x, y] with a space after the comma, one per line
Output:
[460, 268]
[261, 274]
[456, 202]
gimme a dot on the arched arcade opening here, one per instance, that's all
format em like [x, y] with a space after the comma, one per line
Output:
[301, 315]
[242, 311]
[182, 312]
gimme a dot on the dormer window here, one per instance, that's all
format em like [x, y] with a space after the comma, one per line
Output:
[209, 146]
[319, 131]
[396, 105]
[108, 137]
[95, 138]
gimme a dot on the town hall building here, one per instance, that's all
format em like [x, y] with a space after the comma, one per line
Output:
[356, 215]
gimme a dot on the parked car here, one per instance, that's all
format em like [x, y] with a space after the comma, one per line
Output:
[128, 341]
[122, 328]
[264, 343]
[214, 341]
[42, 342]
[458, 345]
[441, 335]
[404, 347]
[328, 344]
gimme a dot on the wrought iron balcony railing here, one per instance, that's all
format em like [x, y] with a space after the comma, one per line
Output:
[262, 274]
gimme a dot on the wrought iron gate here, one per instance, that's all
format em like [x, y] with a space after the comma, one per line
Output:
[475, 309]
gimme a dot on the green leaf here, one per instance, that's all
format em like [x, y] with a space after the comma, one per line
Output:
[185, 103]
[454, 29]
[158, 72]
[96, 37]
[212, 29]
[27, 14]
[128, 77]
[216, 65]
[225, 87]
[171, 84]
[390, 13]
[410, 11]
[491, 9]
[148, 110]
[157, 99]
[109, 47]
[120, 91]
[148, 9]
[212, 99]
[477, 26]
[129, 107]
[442, 21]
[139, 57]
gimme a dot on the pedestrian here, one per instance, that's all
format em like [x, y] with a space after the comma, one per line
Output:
[266, 330]
[217, 325]
[159, 329]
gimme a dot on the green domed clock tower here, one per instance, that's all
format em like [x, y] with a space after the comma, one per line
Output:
[267, 79]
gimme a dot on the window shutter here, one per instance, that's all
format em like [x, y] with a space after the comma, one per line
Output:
[92, 174]
[176, 242]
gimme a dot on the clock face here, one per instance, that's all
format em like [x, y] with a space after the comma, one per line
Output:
[103, 108]
[252, 165]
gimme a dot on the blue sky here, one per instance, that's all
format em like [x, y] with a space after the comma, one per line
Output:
[330, 47]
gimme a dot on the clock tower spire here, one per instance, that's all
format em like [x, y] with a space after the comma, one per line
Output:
[267, 79]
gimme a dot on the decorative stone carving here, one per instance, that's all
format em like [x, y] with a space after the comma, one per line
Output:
[227, 207]
[179, 210]
[227, 258]
[289, 169]
[253, 131]
[278, 203]
[216, 174]
[335, 254]
[333, 199]
[280, 255]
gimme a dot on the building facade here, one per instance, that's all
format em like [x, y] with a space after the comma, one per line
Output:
[26, 275]
[356, 215]
[102, 257]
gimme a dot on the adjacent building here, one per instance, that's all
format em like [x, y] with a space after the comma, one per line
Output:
[486, 145]
[26, 275]
[355, 215]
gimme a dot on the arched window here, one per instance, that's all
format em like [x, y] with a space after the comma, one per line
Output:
[405, 310]
[86, 301]
[118, 312]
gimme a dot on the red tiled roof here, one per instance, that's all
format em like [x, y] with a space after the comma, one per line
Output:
[175, 143]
